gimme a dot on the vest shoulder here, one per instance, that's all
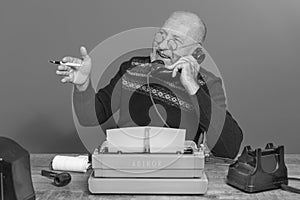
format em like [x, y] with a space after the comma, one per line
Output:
[139, 60]
[133, 62]
[208, 75]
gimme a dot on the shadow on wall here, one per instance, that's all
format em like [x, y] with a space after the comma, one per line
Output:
[41, 134]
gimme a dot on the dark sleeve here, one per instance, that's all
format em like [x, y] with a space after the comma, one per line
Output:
[107, 99]
[223, 132]
[95, 108]
[84, 106]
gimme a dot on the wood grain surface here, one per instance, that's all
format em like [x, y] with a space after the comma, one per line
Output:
[216, 171]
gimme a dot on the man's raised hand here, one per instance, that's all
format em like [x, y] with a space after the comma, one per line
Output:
[79, 76]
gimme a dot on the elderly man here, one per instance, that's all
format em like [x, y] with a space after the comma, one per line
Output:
[182, 96]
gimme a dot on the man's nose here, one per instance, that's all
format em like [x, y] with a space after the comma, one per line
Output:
[163, 45]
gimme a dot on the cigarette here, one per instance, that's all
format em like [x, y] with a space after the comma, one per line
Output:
[65, 63]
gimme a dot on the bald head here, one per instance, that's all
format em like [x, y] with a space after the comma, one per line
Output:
[180, 35]
[197, 28]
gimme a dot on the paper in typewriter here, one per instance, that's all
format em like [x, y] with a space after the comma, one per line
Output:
[146, 139]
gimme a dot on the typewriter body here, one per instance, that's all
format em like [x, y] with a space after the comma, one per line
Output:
[116, 171]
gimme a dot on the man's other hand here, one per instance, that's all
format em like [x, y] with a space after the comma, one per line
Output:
[189, 73]
[79, 76]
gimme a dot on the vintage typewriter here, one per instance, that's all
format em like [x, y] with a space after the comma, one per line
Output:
[144, 171]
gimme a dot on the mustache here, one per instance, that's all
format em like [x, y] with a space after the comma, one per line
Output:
[161, 53]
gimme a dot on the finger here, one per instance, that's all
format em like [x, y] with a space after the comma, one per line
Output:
[176, 69]
[192, 62]
[176, 63]
[66, 79]
[170, 67]
[63, 67]
[174, 72]
[70, 59]
[62, 73]
[83, 52]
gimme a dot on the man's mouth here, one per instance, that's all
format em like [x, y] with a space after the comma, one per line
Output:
[162, 55]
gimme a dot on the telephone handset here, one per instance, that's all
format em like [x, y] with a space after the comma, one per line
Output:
[166, 74]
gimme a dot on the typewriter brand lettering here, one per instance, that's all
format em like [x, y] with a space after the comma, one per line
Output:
[147, 163]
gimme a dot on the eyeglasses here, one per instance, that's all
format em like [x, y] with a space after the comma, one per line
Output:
[172, 43]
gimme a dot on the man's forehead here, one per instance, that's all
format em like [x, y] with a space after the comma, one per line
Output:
[181, 30]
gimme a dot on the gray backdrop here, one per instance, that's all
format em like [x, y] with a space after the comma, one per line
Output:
[254, 43]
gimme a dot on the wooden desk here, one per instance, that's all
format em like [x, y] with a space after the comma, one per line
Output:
[216, 171]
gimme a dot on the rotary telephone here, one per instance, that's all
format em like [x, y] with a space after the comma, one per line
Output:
[258, 170]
